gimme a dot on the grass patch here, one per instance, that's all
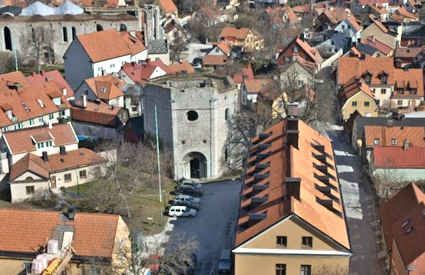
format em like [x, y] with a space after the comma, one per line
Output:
[146, 209]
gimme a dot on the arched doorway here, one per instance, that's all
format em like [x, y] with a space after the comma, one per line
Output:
[7, 38]
[123, 28]
[99, 28]
[197, 165]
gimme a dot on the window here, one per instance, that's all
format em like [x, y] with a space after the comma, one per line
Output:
[226, 114]
[295, 49]
[31, 121]
[192, 115]
[366, 103]
[30, 189]
[74, 33]
[280, 269]
[50, 116]
[83, 174]
[281, 240]
[376, 141]
[394, 141]
[65, 34]
[399, 102]
[354, 103]
[53, 182]
[373, 90]
[112, 65]
[67, 177]
[307, 242]
[305, 269]
[383, 91]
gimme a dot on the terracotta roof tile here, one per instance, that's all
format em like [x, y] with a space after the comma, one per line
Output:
[246, 73]
[27, 98]
[97, 113]
[55, 77]
[257, 85]
[180, 67]
[398, 157]
[167, 6]
[375, 43]
[106, 87]
[224, 47]
[292, 162]
[211, 60]
[109, 44]
[405, 208]
[413, 135]
[140, 73]
[23, 231]
[353, 21]
[230, 32]
[21, 141]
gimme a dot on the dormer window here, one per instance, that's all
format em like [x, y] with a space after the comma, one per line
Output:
[41, 103]
[64, 91]
[103, 90]
[383, 77]
[57, 101]
[367, 77]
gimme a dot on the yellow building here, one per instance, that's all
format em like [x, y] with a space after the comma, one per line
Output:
[356, 96]
[291, 219]
[247, 39]
[94, 238]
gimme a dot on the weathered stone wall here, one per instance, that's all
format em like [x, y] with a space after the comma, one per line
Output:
[21, 32]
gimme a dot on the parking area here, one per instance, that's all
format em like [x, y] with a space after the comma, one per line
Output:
[214, 225]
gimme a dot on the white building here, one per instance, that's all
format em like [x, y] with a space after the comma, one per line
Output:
[100, 53]
[45, 158]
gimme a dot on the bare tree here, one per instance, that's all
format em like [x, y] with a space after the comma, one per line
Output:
[39, 46]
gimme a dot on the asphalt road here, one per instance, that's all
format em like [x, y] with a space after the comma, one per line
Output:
[214, 225]
[360, 210]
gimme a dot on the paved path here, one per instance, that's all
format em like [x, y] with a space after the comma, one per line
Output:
[359, 204]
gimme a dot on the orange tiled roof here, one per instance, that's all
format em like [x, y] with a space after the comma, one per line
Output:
[375, 43]
[353, 67]
[97, 113]
[106, 87]
[224, 47]
[181, 67]
[109, 44]
[247, 73]
[211, 60]
[23, 231]
[230, 32]
[405, 13]
[287, 161]
[254, 86]
[167, 6]
[140, 73]
[353, 21]
[352, 88]
[22, 141]
[54, 77]
[390, 157]
[405, 208]
[56, 163]
[413, 135]
[27, 98]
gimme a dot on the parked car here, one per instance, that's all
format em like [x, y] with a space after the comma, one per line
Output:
[191, 182]
[188, 198]
[225, 262]
[181, 211]
[188, 190]
[189, 204]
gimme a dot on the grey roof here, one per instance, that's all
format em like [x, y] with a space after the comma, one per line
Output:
[11, 10]
[158, 46]
[366, 49]
[68, 7]
[341, 41]
[38, 8]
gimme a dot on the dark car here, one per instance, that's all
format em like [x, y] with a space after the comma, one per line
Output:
[188, 190]
[225, 262]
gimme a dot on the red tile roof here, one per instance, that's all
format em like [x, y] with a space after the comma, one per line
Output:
[96, 113]
[214, 60]
[21, 141]
[106, 87]
[27, 98]
[352, 88]
[140, 73]
[353, 67]
[23, 231]
[372, 2]
[55, 77]
[224, 47]
[413, 135]
[398, 157]
[180, 67]
[247, 73]
[293, 161]
[375, 43]
[406, 210]
[56, 163]
[254, 86]
[230, 32]
[354, 23]
[168, 6]
[110, 44]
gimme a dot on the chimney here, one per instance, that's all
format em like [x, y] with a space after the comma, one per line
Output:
[292, 186]
[292, 132]
[62, 150]
[44, 156]
[84, 101]
[64, 92]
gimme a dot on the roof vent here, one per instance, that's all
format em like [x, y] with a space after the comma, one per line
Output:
[257, 216]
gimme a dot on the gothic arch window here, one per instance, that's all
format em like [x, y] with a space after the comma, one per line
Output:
[99, 28]
[123, 28]
[7, 38]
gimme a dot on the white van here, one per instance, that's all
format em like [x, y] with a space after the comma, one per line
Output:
[181, 211]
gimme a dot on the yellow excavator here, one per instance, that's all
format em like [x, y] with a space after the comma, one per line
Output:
[56, 266]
